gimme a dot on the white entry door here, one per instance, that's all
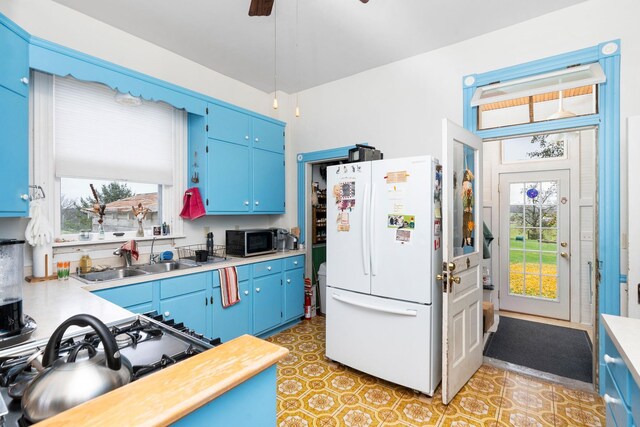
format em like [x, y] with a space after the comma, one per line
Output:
[535, 249]
[462, 253]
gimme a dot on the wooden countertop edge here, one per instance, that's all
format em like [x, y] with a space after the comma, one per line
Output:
[168, 395]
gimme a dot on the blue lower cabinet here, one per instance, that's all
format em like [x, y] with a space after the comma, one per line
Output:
[186, 299]
[293, 294]
[621, 393]
[236, 320]
[267, 302]
[137, 298]
[250, 404]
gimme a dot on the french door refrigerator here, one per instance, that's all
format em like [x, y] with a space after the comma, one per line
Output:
[384, 306]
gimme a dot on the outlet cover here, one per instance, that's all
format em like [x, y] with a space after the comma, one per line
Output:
[586, 236]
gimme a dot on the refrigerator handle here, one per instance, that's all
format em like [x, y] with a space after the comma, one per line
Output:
[372, 234]
[412, 313]
[364, 253]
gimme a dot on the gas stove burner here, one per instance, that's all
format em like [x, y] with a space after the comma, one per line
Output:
[124, 340]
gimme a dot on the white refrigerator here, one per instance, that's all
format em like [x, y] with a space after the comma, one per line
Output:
[384, 305]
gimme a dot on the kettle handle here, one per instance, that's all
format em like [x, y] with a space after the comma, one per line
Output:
[108, 341]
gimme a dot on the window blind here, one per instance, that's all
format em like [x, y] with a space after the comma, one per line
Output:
[97, 137]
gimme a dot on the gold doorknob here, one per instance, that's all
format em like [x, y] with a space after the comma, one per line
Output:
[439, 277]
[564, 255]
[455, 279]
[563, 244]
[451, 266]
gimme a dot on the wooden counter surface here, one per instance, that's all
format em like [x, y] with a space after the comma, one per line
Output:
[170, 394]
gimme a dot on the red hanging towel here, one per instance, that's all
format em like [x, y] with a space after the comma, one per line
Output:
[193, 207]
[229, 286]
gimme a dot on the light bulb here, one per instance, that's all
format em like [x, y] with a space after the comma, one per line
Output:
[275, 103]
[297, 111]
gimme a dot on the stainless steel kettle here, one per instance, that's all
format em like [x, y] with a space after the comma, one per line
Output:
[68, 382]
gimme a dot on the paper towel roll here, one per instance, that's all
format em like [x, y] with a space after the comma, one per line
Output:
[42, 260]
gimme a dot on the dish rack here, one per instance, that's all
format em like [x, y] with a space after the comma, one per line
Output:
[189, 252]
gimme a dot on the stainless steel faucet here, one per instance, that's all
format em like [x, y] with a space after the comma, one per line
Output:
[124, 254]
[152, 257]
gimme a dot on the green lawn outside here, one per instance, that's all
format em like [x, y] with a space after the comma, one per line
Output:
[532, 250]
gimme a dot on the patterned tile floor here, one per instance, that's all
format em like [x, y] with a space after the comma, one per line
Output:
[312, 391]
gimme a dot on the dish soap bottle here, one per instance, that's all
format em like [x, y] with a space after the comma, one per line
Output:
[85, 263]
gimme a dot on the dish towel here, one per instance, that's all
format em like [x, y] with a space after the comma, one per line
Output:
[193, 207]
[229, 286]
[131, 246]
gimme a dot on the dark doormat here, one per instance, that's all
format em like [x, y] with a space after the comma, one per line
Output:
[548, 348]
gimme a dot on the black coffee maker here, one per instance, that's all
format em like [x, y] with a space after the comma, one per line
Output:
[15, 327]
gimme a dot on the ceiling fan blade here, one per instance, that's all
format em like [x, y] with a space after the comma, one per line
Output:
[261, 7]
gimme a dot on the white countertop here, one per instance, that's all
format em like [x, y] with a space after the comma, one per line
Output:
[51, 303]
[205, 267]
[624, 334]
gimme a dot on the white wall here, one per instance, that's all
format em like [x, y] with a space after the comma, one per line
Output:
[398, 107]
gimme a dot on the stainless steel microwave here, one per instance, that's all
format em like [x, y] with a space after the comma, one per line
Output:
[247, 243]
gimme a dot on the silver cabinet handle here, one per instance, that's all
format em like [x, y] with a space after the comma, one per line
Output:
[612, 360]
[295, 262]
[246, 203]
[246, 137]
[269, 268]
[24, 197]
[24, 80]
[611, 400]
[167, 314]
[257, 139]
[288, 281]
[257, 289]
[257, 202]
[246, 292]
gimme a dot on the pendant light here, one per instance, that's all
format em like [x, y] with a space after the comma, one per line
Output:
[297, 62]
[275, 57]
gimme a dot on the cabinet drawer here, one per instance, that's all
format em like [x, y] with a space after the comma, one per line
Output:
[267, 135]
[242, 272]
[228, 125]
[616, 405]
[128, 296]
[182, 285]
[267, 267]
[618, 369]
[634, 402]
[294, 262]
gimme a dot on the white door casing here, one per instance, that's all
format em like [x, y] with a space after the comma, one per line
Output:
[535, 277]
[462, 281]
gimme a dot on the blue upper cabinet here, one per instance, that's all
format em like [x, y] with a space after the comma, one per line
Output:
[228, 125]
[14, 51]
[245, 162]
[227, 185]
[14, 124]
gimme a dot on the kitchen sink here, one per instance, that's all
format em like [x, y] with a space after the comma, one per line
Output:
[138, 270]
[102, 276]
[163, 267]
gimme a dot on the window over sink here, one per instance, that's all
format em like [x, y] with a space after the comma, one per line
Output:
[131, 150]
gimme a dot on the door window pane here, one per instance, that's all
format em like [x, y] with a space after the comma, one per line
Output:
[534, 147]
[464, 203]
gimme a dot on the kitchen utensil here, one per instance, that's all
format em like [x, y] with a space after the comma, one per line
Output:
[202, 255]
[67, 383]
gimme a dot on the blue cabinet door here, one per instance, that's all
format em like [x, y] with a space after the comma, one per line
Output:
[137, 298]
[293, 294]
[190, 309]
[14, 51]
[228, 178]
[231, 322]
[228, 125]
[267, 302]
[14, 153]
[267, 135]
[268, 182]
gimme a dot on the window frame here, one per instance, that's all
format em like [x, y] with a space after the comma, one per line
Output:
[41, 103]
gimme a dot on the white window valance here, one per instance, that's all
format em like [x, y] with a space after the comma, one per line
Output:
[97, 137]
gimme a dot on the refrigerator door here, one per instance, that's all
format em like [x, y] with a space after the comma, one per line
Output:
[402, 227]
[388, 339]
[348, 193]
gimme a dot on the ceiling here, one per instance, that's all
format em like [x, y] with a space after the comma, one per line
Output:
[337, 38]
